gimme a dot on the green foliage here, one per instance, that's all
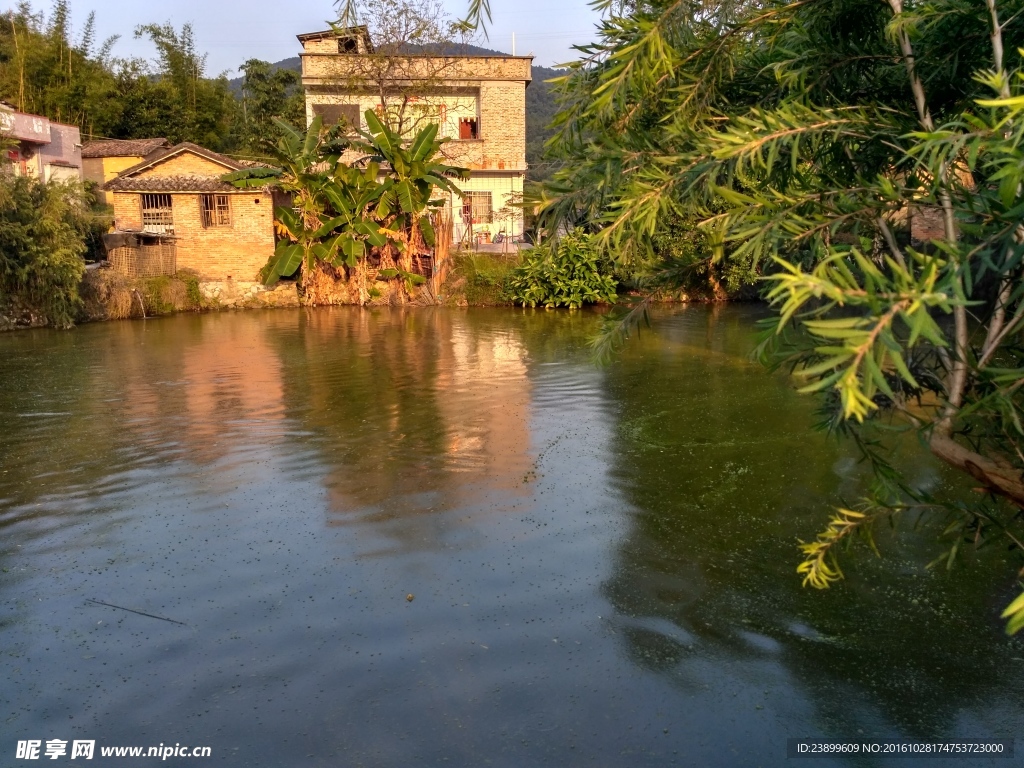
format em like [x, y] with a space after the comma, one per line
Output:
[164, 294]
[486, 278]
[268, 93]
[189, 106]
[192, 292]
[541, 109]
[45, 69]
[570, 273]
[682, 259]
[343, 212]
[42, 244]
[802, 136]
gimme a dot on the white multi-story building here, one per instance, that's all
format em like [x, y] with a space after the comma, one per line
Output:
[478, 102]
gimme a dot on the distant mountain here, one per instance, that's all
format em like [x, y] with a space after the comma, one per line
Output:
[540, 105]
[541, 108]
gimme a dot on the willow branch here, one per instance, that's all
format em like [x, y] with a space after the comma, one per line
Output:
[1007, 329]
[891, 241]
[996, 37]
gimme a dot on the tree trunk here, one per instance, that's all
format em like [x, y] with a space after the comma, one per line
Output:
[998, 476]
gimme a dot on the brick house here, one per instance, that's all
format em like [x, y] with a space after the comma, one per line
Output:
[175, 197]
[478, 102]
[103, 159]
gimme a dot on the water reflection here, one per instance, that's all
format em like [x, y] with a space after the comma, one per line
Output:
[718, 462]
[601, 559]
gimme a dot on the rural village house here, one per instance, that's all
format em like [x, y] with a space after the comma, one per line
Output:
[479, 102]
[102, 160]
[173, 212]
[42, 149]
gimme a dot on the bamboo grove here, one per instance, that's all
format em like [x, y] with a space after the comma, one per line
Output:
[48, 69]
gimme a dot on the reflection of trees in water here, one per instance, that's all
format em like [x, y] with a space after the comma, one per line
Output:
[407, 411]
[87, 406]
[411, 413]
[723, 476]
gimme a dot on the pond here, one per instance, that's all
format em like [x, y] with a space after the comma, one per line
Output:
[447, 537]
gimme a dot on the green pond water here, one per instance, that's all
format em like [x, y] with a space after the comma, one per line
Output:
[601, 561]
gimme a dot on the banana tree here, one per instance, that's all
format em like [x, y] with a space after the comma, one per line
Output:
[412, 173]
[341, 212]
[329, 218]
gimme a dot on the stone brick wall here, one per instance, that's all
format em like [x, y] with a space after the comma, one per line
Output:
[503, 125]
[127, 210]
[926, 224]
[319, 67]
[235, 252]
[186, 164]
[499, 106]
[228, 294]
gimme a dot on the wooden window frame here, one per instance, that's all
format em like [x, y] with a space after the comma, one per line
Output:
[215, 210]
[158, 215]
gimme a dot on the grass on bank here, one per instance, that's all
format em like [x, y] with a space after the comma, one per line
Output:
[108, 295]
[480, 279]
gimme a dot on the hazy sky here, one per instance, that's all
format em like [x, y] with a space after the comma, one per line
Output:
[231, 31]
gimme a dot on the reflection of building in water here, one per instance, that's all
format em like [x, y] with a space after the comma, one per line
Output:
[414, 413]
[201, 387]
[484, 398]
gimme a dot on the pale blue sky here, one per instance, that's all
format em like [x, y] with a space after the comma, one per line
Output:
[231, 31]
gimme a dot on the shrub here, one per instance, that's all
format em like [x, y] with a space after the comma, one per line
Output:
[43, 230]
[108, 295]
[570, 273]
[484, 278]
[192, 292]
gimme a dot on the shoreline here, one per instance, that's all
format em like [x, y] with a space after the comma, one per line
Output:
[476, 280]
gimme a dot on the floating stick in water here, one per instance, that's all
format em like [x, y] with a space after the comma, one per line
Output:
[132, 610]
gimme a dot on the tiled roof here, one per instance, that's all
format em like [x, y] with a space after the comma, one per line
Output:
[122, 147]
[134, 179]
[185, 146]
[170, 184]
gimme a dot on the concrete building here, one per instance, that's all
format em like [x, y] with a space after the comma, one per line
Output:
[104, 159]
[478, 102]
[173, 212]
[43, 149]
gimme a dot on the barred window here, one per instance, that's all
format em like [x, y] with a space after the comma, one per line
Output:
[476, 206]
[216, 210]
[157, 214]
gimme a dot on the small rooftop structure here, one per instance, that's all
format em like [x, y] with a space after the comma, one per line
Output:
[348, 39]
[172, 211]
[104, 159]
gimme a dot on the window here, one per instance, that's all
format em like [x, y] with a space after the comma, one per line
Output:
[476, 207]
[332, 114]
[157, 216]
[216, 210]
[419, 116]
[348, 45]
[412, 117]
[468, 129]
